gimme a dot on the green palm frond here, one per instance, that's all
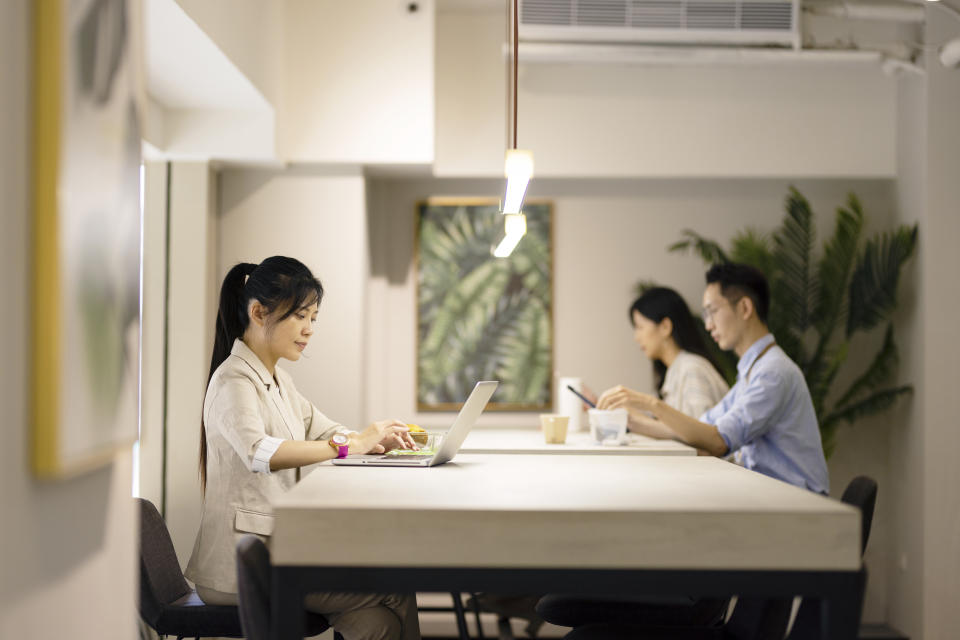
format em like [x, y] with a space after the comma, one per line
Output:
[474, 308]
[820, 381]
[792, 281]
[469, 352]
[835, 267]
[873, 287]
[878, 372]
[874, 403]
[833, 274]
[708, 250]
[481, 287]
[752, 246]
[525, 357]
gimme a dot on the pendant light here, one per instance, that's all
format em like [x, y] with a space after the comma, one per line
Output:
[518, 163]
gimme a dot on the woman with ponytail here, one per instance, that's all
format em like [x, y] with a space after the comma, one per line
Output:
[257, 431]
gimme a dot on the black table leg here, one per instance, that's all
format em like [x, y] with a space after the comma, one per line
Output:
[286, 604]
[840, 610]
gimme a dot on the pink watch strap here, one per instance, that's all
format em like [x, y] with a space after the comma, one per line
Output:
[342, 450]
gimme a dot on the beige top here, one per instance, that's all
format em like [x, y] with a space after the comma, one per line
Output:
[247, 414]
[692, 386]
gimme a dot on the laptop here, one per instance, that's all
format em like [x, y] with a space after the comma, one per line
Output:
[448, 448]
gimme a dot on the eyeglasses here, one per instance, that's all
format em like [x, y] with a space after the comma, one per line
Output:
[708, 313]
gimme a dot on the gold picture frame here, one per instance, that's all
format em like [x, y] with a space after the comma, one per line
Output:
[85, 258]
[480, 317]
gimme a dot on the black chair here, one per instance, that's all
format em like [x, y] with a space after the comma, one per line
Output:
[253, 580]
[861, 493]
[167, 603]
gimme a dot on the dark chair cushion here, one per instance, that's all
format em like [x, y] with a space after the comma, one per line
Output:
[190, 616]
[574, 611]
[161, 579]
[635, 632]
[167, 603]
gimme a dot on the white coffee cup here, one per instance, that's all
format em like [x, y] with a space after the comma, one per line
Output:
[608, 426]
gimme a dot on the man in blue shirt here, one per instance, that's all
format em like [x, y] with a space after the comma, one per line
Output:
[768, 415]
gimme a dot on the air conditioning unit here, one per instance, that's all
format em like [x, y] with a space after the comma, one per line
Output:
[676, 22]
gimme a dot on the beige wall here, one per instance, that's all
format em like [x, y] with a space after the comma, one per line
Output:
[191, 307]
[320, 220]
[356, 82]
[68, 546]
[612, 120]
[941, 308]
[906, 560]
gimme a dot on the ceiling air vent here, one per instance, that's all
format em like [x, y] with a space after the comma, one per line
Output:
[717, 22]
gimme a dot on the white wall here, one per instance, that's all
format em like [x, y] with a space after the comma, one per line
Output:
[357, 82]
[906, 560]
[320, 220]
[940, 232]
[587, 120]
[191, 306]
[153, 346]
[68, 547]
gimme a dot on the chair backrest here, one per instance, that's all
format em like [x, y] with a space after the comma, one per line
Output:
[161, 578]
[253, 580]
[862, 493]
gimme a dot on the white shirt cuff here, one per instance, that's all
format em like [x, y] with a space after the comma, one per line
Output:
[265, 450]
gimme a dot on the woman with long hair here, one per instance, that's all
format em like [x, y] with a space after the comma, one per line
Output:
[687, 377]
[257, 431]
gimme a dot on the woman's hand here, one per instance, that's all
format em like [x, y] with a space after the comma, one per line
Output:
[621, 396]
[383, 436]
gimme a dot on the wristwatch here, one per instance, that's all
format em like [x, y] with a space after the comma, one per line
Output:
[340, 444]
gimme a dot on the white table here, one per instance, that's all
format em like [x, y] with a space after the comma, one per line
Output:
[530, 441]
[572, 524]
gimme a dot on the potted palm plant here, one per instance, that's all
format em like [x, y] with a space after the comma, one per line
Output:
[820, 304]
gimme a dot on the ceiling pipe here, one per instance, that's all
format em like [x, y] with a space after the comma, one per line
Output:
[904, 12]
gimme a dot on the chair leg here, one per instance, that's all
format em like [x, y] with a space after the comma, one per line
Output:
[504, 629]
[476, 613]
[461, 615]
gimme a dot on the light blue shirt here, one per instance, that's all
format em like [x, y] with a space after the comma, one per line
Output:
[768, 416]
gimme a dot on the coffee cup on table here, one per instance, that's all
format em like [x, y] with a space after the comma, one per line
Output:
[554, 427]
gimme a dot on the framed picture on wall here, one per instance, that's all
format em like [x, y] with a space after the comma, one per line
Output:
[481, 317]
[85, 261]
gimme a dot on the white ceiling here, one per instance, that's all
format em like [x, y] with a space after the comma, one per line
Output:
[186, 70]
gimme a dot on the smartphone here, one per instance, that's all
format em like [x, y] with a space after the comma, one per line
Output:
[582, 397]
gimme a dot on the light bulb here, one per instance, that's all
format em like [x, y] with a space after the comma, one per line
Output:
[514, 227]
[518, 169]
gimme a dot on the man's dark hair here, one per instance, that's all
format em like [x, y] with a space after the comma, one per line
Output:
[738, 280]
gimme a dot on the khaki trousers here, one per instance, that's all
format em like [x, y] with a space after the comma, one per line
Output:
[355, 616]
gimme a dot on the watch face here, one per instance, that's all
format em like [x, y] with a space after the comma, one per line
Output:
[339, 439]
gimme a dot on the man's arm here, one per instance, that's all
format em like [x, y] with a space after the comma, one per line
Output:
[695, 433]
[690, 430]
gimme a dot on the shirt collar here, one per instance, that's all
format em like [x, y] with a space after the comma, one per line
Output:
[751, 354]
[245, 353]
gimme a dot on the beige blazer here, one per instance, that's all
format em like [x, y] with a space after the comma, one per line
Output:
[246, 414]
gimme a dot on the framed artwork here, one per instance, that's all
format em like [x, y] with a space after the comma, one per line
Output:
[481, 317]
[84, 350]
